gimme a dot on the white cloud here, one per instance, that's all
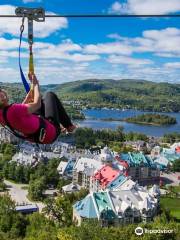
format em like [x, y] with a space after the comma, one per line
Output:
[174, 65]
[115, 59]
[115, 36]
[6, 44]
[164, 42]
[118, 8]
[9, 74]
[3, 59]
[145, 7]
[66, 50]
[108, 48]
[168, 55]
[75, 57]
[41, 29]
[68, 61]
[161, 41]
[30, 1]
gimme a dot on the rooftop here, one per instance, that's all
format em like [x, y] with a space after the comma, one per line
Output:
[106, 175]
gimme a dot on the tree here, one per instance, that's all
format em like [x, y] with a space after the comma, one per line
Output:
[176, 165]
[60, 209]
[40, 228]
[9, 149]
[7, 207]
[11, 222]
[36, 189]
[2, 186]
[62, 235]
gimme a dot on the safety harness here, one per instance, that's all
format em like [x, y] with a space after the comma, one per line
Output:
[37, 137]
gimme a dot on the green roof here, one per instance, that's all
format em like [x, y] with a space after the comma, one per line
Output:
[103, 204]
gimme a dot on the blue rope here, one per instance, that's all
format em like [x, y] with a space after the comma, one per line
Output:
[25, 83]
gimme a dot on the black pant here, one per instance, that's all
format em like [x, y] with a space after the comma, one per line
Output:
[53, 110]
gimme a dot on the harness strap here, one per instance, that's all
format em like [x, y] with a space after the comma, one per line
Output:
[31, 61]
[4, 113]
[25, 83]
[37, 137]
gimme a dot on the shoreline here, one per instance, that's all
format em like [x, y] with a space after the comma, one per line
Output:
[124, 120]
[126, 109]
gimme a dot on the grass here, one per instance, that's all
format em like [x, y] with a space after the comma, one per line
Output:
[24, 187]
[176, 189]
[173, 204]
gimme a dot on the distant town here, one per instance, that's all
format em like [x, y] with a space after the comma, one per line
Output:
[96, 183]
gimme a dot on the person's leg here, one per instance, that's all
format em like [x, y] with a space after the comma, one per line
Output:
[40, 111]
[55, 111]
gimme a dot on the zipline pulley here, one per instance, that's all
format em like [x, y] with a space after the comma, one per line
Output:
[32, 14]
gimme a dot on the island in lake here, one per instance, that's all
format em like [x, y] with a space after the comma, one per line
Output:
[152, 119]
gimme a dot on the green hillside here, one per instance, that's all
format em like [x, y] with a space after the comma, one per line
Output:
[140, 94]
[137, 94]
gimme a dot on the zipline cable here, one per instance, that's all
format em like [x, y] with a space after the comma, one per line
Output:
[102, 16]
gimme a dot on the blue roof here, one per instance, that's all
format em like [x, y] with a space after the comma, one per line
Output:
[136, 159]
[86, 207]
[160, 166]
[103, 204]
[69, 166]
[126, 157]
[117, 182]
[27, 208]
[171, 157]
[149, 161]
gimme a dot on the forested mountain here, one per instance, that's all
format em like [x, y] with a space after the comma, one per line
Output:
[139, 94]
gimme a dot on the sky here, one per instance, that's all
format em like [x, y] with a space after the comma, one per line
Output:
[70, 49]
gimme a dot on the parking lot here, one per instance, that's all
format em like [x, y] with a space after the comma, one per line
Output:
[18, 193]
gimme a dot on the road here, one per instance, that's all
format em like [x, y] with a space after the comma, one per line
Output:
[19, 195]
[171, 178]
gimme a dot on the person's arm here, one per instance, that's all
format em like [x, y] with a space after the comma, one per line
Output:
[29, 97]
[36, 104]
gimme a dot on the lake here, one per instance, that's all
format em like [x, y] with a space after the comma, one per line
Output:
[99, 114]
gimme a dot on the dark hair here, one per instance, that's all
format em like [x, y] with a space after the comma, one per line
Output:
[1, 104]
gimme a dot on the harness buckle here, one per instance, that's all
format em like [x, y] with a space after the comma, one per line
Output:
[42, 135]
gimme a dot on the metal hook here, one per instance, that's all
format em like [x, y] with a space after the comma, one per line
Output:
[22, 25]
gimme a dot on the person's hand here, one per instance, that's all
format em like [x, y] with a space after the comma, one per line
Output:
[33, 79]
[30, 76]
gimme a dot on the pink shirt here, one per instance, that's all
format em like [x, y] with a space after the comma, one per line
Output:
[27, 123]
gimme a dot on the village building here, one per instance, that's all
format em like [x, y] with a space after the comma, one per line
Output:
[141, 168]
[65, 169]
[164, 157]
[131, 204]
[106, 177]
[70, 188]
[83, 169]
[26, 158]
[6, 136]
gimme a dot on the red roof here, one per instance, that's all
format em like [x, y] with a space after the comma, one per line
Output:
[178, 149]
[126, 174]
[124, 164]
[106, 175]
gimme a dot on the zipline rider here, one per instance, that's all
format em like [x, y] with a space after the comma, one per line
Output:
[36, 119]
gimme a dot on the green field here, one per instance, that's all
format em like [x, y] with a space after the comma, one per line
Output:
[176, 189]
[173, 204]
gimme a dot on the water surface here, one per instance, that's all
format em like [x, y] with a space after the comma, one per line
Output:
[99, 114]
